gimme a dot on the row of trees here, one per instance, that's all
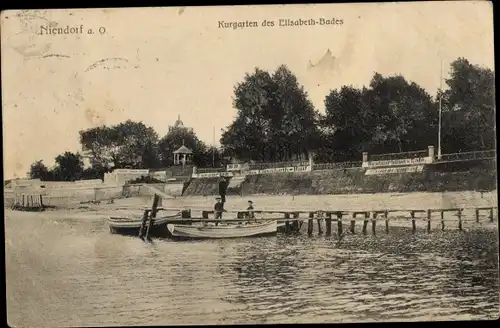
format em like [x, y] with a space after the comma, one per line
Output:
[125, 145]
[276, 121]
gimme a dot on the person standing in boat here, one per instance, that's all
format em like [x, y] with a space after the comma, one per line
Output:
[222, 189]
[250, 213]
[218, 209]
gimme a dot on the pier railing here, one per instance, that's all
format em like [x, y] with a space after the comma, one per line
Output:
[263, 166]
[333, 166]
[403, 155]
[210, 169]
[468, 156]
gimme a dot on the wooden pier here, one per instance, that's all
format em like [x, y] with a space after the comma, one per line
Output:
[28, 202]
[291, 221]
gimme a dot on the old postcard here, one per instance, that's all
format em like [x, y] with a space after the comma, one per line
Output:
[250, 164]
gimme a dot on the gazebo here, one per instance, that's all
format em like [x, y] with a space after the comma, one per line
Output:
[182, 155]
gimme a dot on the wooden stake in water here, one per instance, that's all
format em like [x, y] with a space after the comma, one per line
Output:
[374, 223]
[413, 223]
[365, 222]
[386, 216]
[477, 215]
[459, 214]
[339, 224]
[429, 214]
[310, 224]
[142, 229]
[320, 229]
[442, 220]
[328, 222]
[353, 223]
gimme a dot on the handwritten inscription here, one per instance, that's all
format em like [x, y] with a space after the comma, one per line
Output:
[65, 30]
[282, 22]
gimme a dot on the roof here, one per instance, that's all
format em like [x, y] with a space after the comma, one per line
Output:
[183, 150]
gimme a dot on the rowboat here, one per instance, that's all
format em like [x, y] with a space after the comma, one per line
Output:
[222, 230]
[130, 226]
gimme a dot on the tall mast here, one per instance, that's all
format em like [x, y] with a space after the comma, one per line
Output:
[213, 149]
[440, 105]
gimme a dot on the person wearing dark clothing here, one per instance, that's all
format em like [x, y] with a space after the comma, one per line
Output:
[222, 189]
[250, 213]
[218, 209]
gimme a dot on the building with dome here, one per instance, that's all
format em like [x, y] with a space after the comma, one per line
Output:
[179, 125]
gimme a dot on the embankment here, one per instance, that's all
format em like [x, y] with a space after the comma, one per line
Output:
[351, 181]
[68, 197]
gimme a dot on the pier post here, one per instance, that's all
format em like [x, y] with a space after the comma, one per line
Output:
[287, 223]
[320, 218]
[374, 223]
[154, 207]
[339, 224]
[41, 201]
[386, 216]
[442, 220]
[296, 226]
[328, 222]
[152, 215]
[365, 222]
[310, 224]
[353, 223]
[477, 215]
[186, 214]
[429, 215]
[413, 223]
[144, 220]
[491, 214]
[459, 214]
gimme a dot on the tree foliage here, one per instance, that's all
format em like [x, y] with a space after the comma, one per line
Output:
[69, 167]
[174, 139]
[469, 108]
[129, 144]
[38, 170]
[275, 119]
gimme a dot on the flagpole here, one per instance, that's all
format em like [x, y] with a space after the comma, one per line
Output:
[213, 149]
[440, 107]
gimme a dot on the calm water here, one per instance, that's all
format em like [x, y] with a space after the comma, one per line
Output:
[73, 273]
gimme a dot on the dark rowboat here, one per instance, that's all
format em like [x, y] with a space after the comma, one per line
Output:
[131, 226]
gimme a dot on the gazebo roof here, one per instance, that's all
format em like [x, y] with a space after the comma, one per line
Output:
[183, 150]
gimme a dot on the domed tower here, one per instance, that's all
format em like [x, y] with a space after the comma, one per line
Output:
[179, 125]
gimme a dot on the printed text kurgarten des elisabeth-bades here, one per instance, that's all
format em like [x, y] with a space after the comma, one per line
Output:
[282, 22]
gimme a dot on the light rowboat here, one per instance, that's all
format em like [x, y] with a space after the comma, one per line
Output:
[223, 231]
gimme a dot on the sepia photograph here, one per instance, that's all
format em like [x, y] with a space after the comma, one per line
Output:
[250, 164]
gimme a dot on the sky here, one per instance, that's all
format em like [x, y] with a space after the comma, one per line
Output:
[153, 64]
